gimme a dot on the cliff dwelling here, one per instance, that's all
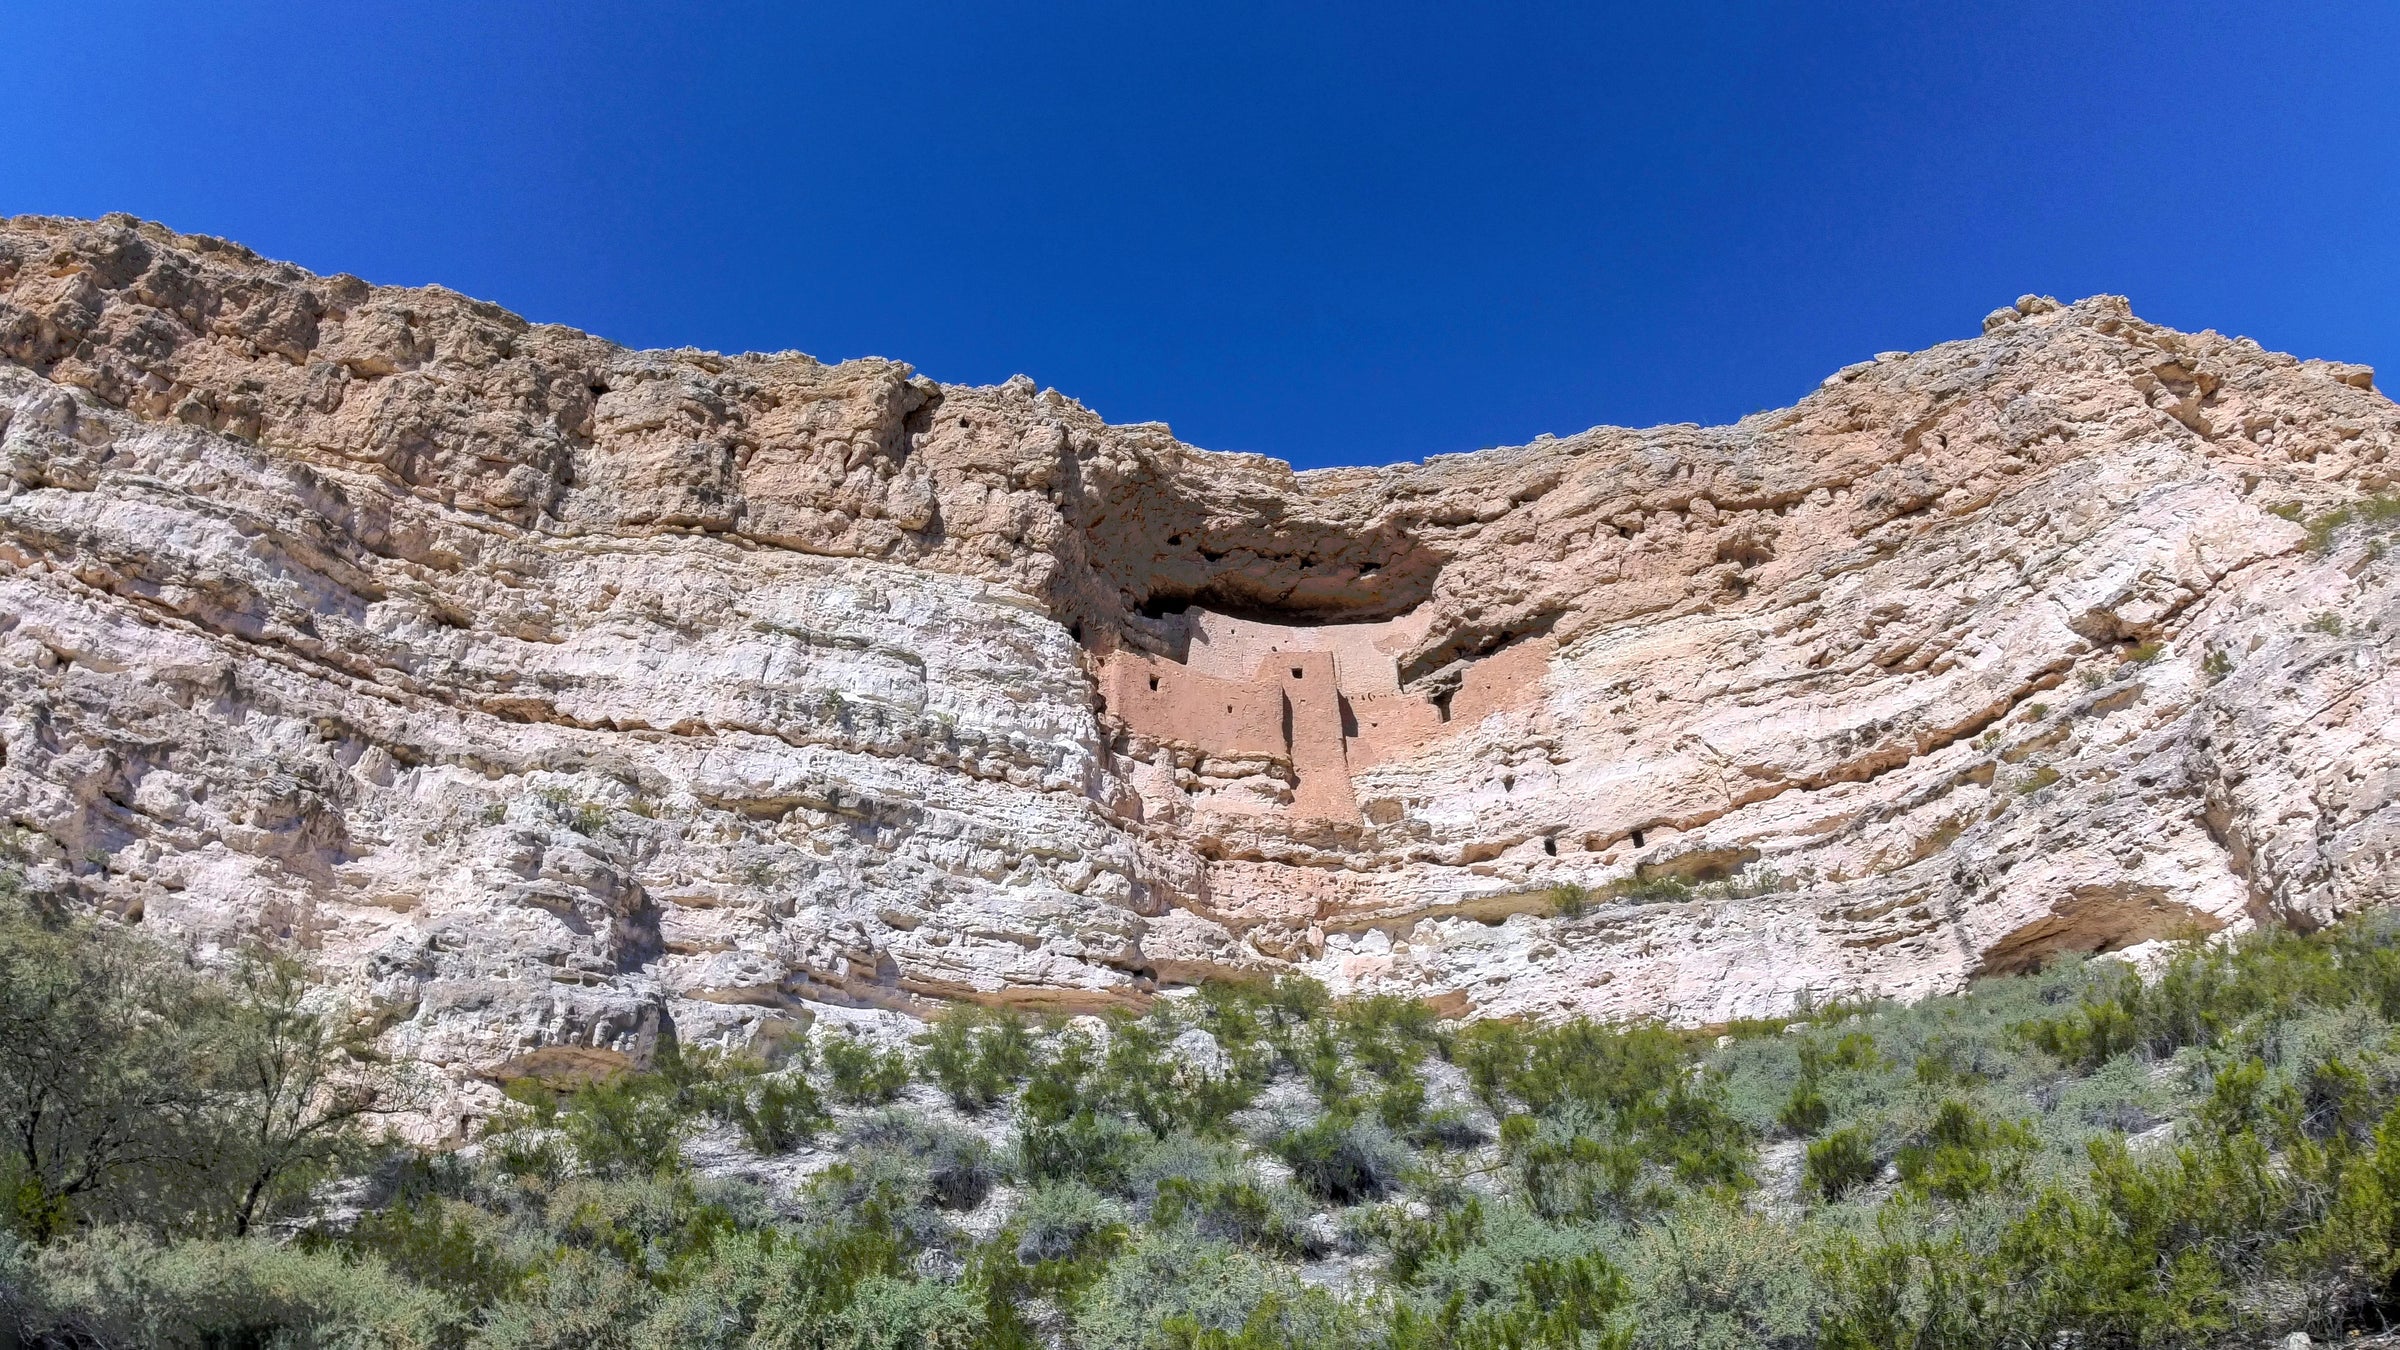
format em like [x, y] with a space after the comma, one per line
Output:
[1310, 704]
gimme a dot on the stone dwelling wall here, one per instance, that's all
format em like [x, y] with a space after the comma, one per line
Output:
[1325, 700]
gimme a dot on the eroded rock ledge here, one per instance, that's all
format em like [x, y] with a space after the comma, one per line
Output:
[566, 696]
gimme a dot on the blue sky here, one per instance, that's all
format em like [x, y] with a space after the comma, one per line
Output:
[1334, 233]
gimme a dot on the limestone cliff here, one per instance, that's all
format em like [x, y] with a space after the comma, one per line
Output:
[559, 694]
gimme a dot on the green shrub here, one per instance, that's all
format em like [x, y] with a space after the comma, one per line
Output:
[438, 1244]
[958, 1168]
[1566, 1174]
[1240, 1210]
[1640, 890]
[106, 1049]
[2378, 509]
[1174, 1275]
[1908, 1286]
[2137, 1256]
[776, 1112]
[1343, 1160]
[1840, 1163]
[862, 1075]
[976, 1057]
[1613, 1210]
[1715, 1276]
[1064, 1221]
[1961, 1153]
[1804, 1112]
[1086, 1147]
[628, 1125]
[116, 1287]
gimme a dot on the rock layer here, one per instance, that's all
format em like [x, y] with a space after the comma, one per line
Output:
[561, 697]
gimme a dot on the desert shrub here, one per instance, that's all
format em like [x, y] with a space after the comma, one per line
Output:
[2349, 1256]
[1155, 1163]
[1172, 1274]
[1085, 1147]
[1387, 1034]
[976, 1056]
[1840, 1163]
[1612, 1209]
[578, 1301]
[1343, 1160]
[1447, 1128]
[1849, 1052]
[1240, 1209]
[1714, 1276]
[1060, 1137]
[2119, 1095]
[1566, 1172]
[956, 1169]
[1137, 1075]
[2206, 992]
[105, 1064]
[1907, 1285]
[847, 1281]
[1571, 1303]
[1634, 1081]
[1804, 1112]
[628, 1124]
[1568, 900]
[860, 1074]
[119, 1287]
[776, 1112]
[1962, 1153]
[1640, 890]
[2378, 509]
[1284, 1317]
[661, 1229]
[2137, 1255]
[1065, 1221]
[1603, 1068]
[440, 1244]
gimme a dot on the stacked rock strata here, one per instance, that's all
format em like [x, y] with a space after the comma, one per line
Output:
[559, 697]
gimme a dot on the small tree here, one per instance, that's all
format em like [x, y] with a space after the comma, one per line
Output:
[103, 1093]
[302, 1081]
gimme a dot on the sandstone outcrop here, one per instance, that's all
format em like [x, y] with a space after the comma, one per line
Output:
[561, 697]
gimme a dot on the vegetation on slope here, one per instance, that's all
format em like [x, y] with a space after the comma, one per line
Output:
[2070, 1158]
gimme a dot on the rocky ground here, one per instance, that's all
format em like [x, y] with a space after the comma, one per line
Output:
[559, 697]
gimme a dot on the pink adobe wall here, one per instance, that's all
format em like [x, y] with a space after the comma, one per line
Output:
[1364, 654]
[1176, 703]
[1501, 681]
[1297, 700]
[1387, 729]
[1320, 760]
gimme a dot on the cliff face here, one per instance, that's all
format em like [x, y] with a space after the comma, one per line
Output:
[559, 694]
